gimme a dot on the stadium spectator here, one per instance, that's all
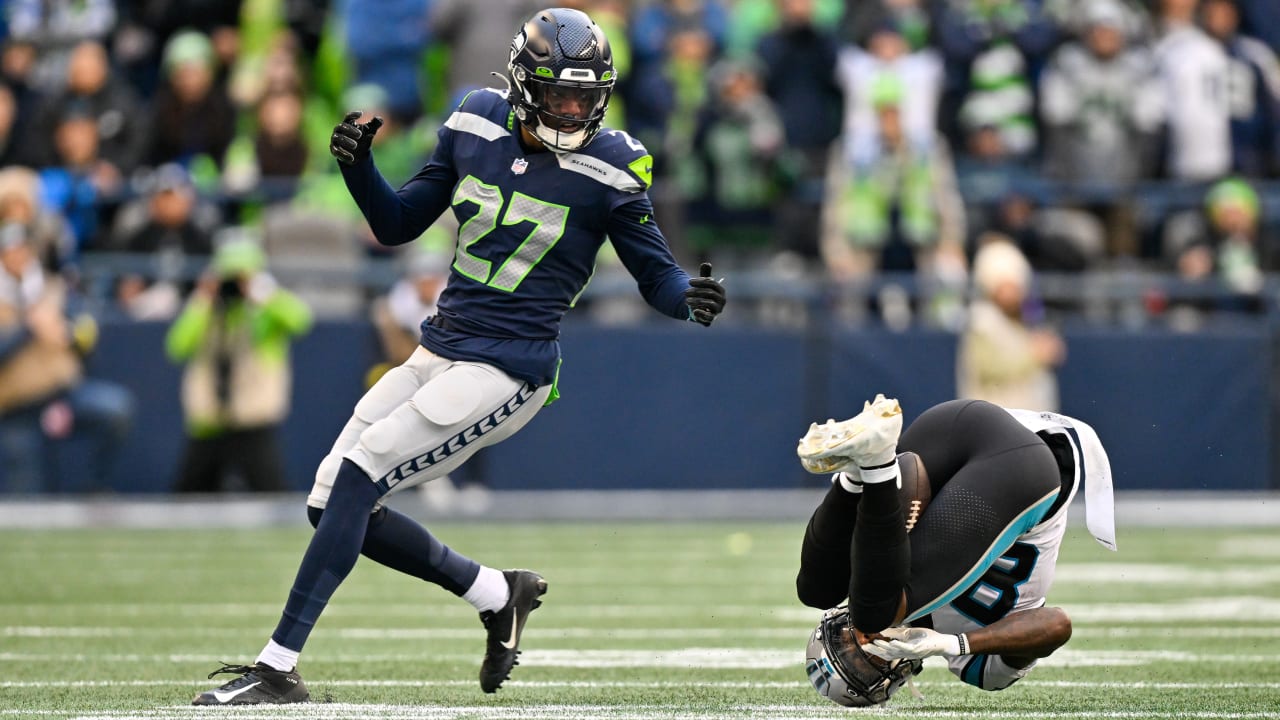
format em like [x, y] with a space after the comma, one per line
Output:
[489, 359]
[1254, 94]
[1071, 17]
[887, 63]
[1194, 74]
[273, 155]
[118, 111]
[912, 18]
[1102, 111]
[53, 28]
[145, 29]
[233, 339]
[1221, 243]
[193, 119]
[992, 52]
[966, 579]
[897, 210]
[44, 393]
[13, 145]
[48, 232]
[798, 61]
[672, 43]
[1261, 19]
[1004, 356]
[386, 41]
[165, 230]
[466, 28]
[79, 184]
[737, 171]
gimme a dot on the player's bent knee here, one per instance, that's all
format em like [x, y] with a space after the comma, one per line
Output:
[813, 593]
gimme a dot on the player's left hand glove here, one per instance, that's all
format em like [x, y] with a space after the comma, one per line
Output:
[908, 643]
[351, 140]
[705, 297]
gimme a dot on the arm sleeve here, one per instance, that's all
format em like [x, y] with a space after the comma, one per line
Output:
[400, 216]
[644, 252]
[188, 330]
[288, 312]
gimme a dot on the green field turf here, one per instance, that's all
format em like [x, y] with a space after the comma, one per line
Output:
[641, 621]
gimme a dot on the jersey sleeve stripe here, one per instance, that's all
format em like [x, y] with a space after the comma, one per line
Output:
[475, 125]
[599, 170]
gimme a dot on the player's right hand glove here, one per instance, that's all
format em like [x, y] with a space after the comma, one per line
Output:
[705, 297]
[908, 643]
[351, 140]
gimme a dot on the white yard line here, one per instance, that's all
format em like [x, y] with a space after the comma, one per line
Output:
[691, 658]
[1259, 631]
[341, 711]
[642, 685]
[1231, 608]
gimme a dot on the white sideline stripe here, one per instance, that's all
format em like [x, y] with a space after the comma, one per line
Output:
[576, 633]
[1231, 608]
[693, 658]
[649, 685]
[343, 711]
[1163, 574]
[414, 634]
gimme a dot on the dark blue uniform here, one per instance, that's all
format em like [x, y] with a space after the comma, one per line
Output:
[530, 226]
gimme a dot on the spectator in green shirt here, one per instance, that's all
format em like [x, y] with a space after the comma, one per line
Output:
[234, 336]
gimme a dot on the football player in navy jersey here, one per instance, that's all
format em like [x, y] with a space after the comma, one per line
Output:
[536, 185]
[968, 580]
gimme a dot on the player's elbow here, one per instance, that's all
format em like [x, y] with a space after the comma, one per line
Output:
[1057, 628]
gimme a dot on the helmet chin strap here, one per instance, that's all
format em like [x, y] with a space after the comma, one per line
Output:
[559, 142]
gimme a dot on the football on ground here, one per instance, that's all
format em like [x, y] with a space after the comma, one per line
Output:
[915, 492]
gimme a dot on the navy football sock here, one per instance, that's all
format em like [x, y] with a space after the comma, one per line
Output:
[881, 559]
[395, 540]
[330, 556]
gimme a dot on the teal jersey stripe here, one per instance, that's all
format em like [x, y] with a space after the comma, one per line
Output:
[972, 673]
[1021, 524]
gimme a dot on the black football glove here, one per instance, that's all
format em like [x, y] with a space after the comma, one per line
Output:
[705, 297]
[351, 140]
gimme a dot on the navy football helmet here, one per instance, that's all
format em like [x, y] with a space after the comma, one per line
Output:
[561, 76]
[843, 673]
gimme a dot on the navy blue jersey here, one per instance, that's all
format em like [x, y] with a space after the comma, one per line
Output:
[529, 227]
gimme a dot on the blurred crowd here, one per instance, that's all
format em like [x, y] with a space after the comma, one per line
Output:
[854, 136]
[841, 141]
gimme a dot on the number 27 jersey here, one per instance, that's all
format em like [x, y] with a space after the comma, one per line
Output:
[530, 227]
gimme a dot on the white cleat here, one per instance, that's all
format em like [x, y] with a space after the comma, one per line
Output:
[868, 439]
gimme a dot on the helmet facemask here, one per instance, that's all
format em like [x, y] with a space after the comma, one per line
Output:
[842, 672]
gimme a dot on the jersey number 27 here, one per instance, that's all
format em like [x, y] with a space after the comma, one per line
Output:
[548, 226]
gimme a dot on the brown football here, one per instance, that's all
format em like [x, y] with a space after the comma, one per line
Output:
[915, 493]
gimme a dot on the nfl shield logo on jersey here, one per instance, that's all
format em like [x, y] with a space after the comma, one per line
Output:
[519, 165]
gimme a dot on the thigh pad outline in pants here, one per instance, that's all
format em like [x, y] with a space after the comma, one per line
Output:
[459, 410]
[391, 391]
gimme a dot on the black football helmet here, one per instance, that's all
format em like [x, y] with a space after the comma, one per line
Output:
[843, 673]
[561, 76]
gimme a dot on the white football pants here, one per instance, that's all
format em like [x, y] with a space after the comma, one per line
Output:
[424, 418]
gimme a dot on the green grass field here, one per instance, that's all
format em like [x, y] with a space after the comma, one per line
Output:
[641, 621]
